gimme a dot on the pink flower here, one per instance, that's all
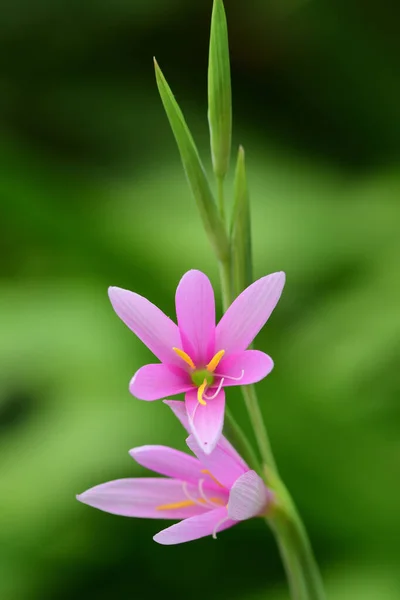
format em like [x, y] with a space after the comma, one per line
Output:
[197, 357]
[209, 493]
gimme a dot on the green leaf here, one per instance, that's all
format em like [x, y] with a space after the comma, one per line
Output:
[241, 230]
[219, 92]
[194, 169]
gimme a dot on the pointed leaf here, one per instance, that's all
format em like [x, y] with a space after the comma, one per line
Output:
[241, 231]
[219, 92]
[193, 168]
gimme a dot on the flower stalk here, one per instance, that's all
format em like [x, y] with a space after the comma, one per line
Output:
[301, 569]
[304, 579]
[233, 252]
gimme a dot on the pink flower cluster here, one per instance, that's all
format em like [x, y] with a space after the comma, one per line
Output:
[216, 489]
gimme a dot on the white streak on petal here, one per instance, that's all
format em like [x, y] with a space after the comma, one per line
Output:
[248, 497]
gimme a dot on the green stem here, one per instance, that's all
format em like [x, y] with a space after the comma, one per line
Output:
[302, 572]
[248, 391]
[221, 201]
[292, 567]
[301, 569]
[236, 435]
[257, 421]
[226, 283]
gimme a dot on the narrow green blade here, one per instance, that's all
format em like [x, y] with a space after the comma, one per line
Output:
[194, 169]
[240, 231]
[219, 92]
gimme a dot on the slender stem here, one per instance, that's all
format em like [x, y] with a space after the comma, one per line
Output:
[221, 201]
[292, 568]
[240, 441]
[301, 569]
[234, 431]
[257, 421]
[226, 283]
[248, 391]
[225, 273]
[302, 572]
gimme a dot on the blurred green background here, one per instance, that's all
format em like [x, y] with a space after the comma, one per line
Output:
[92, 194]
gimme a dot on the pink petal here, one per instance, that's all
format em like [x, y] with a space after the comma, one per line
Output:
[248, 366]
[224, 463]
[153, 382]
[195, 311]
[169, 462]
[148, 322]
[248, 498]
[209, 523]
[140, 497]
[206, 422]
[179, 410]
[248, 314]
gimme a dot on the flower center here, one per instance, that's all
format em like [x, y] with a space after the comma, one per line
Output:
[202, 378]
[200, 375]
[189, 500]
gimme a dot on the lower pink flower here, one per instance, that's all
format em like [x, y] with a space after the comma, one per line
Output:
[208, 493]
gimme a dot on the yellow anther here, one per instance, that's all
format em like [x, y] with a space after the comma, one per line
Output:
[200, 392]
[207, 472]
[214, 362]
[174, 505]
[217, 501]
[185, 357]
[186, 503]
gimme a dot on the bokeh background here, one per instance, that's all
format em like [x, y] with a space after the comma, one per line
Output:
[92, 194]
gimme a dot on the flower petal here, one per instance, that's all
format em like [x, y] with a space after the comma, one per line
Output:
[209, 523]
[148, 322]
[246, 367]
[206, 422]
[248, 498]
[169, 462]
[140, 497]
[195, 311]
[179, 410]
[153, 382]
[248, 314]
[223, 463]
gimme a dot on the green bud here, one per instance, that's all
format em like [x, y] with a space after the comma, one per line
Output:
[194, 169]
[240, 229]
[219, 92]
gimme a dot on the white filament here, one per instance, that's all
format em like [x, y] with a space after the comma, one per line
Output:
[229, 376]
[202, 494]
[214, 533]
[221, 383]
[203, 501]
[189, 497]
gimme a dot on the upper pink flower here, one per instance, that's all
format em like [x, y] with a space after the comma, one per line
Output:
[196, 356]
[209, 493]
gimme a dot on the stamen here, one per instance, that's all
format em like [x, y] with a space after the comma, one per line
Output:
[207, 472]
[200, 391]
[214, 533]
[174, 505]
[185, 357]
[200, 501]
[230, 377]
[214, 502]
[221, 383]
[213, 364]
